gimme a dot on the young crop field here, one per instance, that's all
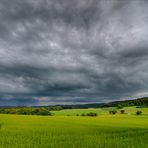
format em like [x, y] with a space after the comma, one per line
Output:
[103, 131]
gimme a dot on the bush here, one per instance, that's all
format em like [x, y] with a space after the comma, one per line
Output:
[138, 112]
[82, 114]
[77, 114]
[113, 112]
[122, 111]
[91, 114]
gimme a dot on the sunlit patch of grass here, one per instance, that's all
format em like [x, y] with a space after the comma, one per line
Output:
[100, 111]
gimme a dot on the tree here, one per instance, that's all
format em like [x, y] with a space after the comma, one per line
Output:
[122, 111]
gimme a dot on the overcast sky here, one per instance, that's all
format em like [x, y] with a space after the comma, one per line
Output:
[72, 51]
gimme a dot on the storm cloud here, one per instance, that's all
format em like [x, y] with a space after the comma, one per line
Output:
[72, 51]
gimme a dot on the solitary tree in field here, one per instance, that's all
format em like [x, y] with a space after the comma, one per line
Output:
[122, 111]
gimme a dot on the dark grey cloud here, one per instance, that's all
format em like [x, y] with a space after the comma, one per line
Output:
[69, 51]
[16, 101]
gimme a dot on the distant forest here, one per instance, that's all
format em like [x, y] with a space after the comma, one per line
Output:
[143, 102]
[140, 102]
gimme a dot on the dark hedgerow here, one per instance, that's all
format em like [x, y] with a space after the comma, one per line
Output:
[91, 114]
[26, 111]
[113, 112]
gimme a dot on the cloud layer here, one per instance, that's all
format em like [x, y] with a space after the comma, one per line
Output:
[72, 50]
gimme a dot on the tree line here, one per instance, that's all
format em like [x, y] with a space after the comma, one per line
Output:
[140, 102]
[26, 111]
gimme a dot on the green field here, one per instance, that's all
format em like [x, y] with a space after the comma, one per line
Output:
[62, 131]
[99, 111]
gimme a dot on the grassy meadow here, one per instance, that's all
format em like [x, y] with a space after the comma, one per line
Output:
[66, 130]
[100, 111]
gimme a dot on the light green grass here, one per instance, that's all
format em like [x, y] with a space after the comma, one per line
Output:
[104, 131]
[99, 111]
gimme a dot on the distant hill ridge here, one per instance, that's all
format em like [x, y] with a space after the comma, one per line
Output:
[136, 102]
[141, 102]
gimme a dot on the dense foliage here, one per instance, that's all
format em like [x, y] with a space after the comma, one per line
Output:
[25, 111]
[141, 102]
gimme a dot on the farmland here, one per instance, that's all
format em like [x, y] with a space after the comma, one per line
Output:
[99, 111]
[62, 131]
